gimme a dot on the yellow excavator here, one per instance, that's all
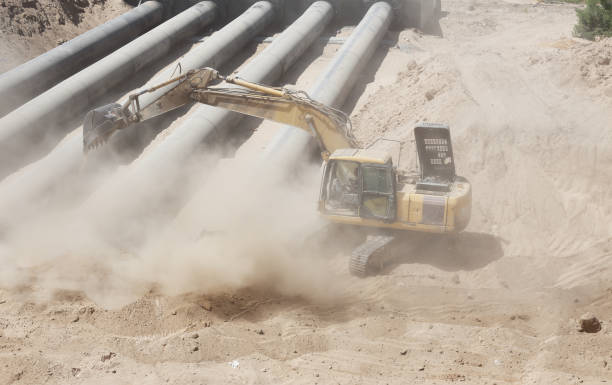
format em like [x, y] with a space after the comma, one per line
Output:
[361, 187]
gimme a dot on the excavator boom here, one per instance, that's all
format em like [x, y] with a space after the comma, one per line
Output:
[329, 126]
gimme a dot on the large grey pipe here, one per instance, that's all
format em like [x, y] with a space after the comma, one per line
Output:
[266, 68]
[290, 145]
[26, 81]
[219, 47]
[20, 190]
[35, 127]
[160, 164]
[334, 85]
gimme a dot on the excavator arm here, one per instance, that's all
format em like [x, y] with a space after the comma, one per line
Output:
[329, 126]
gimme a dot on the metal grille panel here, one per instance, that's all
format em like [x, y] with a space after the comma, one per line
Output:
[433, 210]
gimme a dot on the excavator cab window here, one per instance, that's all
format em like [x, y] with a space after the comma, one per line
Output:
[378, 195]
[342, 188]
[354, 189]
[342, 185]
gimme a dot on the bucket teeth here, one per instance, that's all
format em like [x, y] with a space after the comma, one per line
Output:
[99, 125]
[98, 142]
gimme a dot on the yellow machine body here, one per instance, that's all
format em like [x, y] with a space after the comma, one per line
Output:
[456, 208]
[404, 205]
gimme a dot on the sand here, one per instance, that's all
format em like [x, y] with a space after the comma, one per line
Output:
[530, 108]
[30, 28]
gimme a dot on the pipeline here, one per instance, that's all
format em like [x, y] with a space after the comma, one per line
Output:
[30, 79]
[21, 189]
[219, 47]
[161, 163]
[262, 175]
[266, 68]
[334, 85]
[215, 50]
[34, 128]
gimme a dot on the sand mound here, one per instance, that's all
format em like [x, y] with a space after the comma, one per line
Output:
[595, 61]
[31, 28]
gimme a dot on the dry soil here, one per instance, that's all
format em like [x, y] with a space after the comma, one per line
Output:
[531, 111]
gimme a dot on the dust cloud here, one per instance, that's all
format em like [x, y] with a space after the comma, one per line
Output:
[240, 230]
[239, 226]
[529, 110]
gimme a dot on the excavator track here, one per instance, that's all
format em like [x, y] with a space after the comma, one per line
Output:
[363, 259]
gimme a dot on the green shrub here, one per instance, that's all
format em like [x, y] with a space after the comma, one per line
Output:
[594, 20]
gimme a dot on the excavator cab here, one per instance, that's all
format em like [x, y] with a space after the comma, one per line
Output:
[359, 183]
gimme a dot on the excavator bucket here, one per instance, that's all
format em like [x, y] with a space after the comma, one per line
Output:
[100, 124]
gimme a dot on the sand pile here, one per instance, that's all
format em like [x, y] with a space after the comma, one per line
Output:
[31, 28]
[595, 60]
[530, 140]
